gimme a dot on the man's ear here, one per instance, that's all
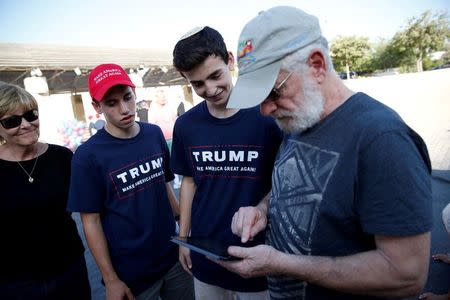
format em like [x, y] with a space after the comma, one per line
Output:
[230, 61]
[96, 106]
[318, 65]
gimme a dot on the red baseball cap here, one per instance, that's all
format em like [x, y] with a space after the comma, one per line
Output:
[104, 77]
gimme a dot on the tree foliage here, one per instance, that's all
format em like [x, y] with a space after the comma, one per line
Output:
[383, 56]
[422, 35]
[408, 50]
[350, 53]
[446, 57]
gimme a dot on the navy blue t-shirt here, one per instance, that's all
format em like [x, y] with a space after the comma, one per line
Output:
[358, 173]
[231, 162]
[124, 180]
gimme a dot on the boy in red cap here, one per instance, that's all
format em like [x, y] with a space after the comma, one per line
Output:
[120, 185]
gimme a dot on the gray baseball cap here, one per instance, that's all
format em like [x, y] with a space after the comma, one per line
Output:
[263, 43]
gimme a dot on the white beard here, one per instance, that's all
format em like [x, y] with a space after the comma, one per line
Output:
[311, 105]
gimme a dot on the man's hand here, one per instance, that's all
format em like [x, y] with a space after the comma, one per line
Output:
[442, 257]
[185, 259]
[256, 261]
[248, 221]
[117, 290]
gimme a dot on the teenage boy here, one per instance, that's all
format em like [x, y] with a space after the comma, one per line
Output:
[120, 186]
[225, 157]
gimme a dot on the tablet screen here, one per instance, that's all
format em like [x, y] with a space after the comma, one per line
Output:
[209, 247]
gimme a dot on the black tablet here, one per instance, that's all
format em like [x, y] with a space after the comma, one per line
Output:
[209, 247]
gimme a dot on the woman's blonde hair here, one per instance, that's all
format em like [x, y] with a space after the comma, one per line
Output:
[13, 97]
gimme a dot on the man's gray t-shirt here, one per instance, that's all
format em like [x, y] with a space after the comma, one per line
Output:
[358, 173]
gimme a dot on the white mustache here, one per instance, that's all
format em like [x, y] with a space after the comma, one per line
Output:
[283, 114]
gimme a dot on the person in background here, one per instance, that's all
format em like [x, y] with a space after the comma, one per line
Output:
[120, 186]
[142, 110]
[95, 124]
[349, 215]
[42, 256]
[225, 157]
[160, 113]
[185, 105]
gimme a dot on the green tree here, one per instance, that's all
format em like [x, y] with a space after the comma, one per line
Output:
[350, 52]
[385, 55]
[422, 35]
[446, 57]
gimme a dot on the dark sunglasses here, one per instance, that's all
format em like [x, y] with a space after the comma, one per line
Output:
[275, 92]
[15, 121]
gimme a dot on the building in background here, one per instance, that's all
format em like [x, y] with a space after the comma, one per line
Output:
[57, 76]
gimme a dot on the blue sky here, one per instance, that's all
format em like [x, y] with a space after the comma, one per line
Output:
[158, 24]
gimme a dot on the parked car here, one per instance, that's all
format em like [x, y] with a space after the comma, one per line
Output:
[386, 72]
[343, 75]
[444, 66]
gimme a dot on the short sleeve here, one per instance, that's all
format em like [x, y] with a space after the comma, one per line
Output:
[168, 174]
[179, 158]
[86, 192]
[393, 190]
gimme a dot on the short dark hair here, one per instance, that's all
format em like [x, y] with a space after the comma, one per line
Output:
[195, 49]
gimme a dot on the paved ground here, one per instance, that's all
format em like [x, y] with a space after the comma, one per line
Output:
[423, 101]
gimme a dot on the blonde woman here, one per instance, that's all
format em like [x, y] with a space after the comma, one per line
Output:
[42, 256]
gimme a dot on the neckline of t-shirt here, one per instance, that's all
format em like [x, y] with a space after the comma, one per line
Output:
[30, 160]
[227, 120]
[334, 114]
[343, 107]
[129, 140]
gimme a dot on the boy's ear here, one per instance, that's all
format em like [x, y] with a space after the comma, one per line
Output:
[231, 61]
[96, 106]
